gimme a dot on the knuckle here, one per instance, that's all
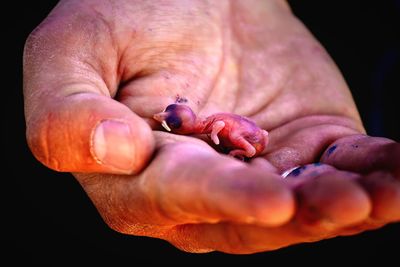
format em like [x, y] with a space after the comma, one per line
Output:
[38, 139]
[35, 41]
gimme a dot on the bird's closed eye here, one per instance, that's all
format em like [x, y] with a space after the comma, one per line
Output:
[174, 121]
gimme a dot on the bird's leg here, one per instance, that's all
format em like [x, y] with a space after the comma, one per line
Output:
[246, 148]
[216, 128]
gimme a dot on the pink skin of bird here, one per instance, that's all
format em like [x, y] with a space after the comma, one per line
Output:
[234, 132]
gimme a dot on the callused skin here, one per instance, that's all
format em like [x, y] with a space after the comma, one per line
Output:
[238, 134]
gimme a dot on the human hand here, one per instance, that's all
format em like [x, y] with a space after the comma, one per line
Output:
[93, 62]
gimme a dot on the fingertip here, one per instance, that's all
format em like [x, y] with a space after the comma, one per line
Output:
[384, 192]
[277, 207]
[334, 200]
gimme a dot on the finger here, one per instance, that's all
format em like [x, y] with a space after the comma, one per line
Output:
[73, 124]
[331, 201]
[382, 188]
[89, 133]
[363, 154]
[205, 186]
[384, 191]
[326, 205]
[384, 194]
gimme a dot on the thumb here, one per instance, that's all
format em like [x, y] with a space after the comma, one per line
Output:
[88, 132]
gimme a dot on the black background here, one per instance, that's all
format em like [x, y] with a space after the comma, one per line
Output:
[49, 219]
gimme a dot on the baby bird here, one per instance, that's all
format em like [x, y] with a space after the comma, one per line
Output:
[238, 134]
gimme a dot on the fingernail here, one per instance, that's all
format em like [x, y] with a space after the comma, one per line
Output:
[113, 145]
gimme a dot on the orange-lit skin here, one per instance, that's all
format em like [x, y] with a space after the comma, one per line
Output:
[96, 71]
[240, 135]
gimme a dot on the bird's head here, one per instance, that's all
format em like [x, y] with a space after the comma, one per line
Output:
[177, 118]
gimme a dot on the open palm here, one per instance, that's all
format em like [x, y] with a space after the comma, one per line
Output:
[92, 64]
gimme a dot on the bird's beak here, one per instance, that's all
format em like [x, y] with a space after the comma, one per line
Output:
[160, 117]
[165, 125]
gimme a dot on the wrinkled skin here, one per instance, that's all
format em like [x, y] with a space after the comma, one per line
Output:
[96, 71]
